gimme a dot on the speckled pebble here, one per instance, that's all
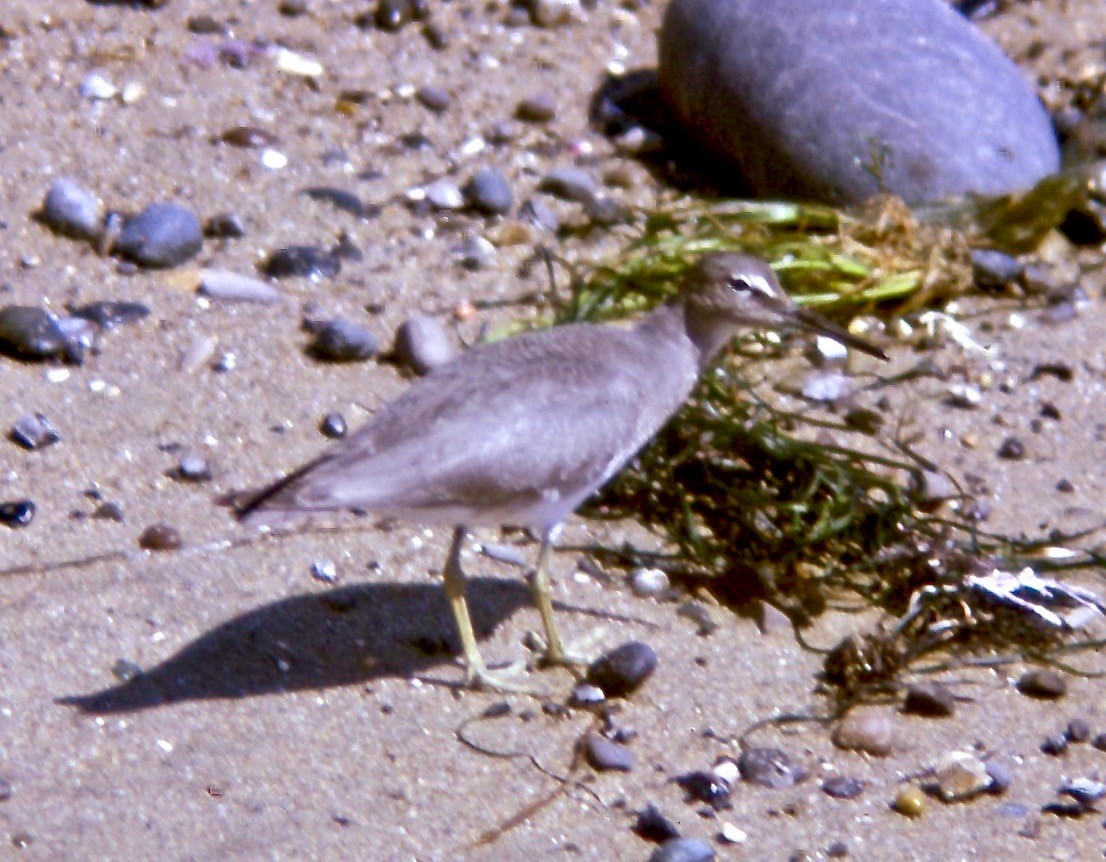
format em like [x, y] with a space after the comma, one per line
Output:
[683, 850]
[768, 767]
[27, 332]
[160, 537]
[17, 513]
[867, 730]
[842, 787]
[570, 184]
[302, 261]
[342, 340]
[1043, 683]
[624, 669]
[333, 426]
[162, 235]
[489, 191]
[603, 755]
[72, 210]
[423, 344]
[34, 432]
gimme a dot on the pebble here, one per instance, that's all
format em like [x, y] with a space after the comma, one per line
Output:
[1000, 776]
[325, 571]
[587, 695]
[910, 801]
[768, 767]
[109, 512]
[162, 235]
[624, 669]
[444, 195]
[1078, 730]
[842, 787]
[422, 344]
[539, 108]
[342, 340]
[160, 537]
[645, 583]
[193, 468]
[109, 313]
[730, 834]
[653, 825]
[72, 210]
[603, 755]
[867, 730]
[825, 102]
[6, 789]
[333, 426]
[475, 252]
[248, 137]
[27, 332]
[961, 775]
[489, 191]
[1084, 790]
[1099, 742]
[605, 211]
[34, 431]
[436, 99]
[225, 226]
[302, 261]
[17, 513]
[825, 387]
[683, 850]
[97, 88]
[1012, 449]
[930, 699]
[232, 287]
[392, 15]
[125, 671]
[994, 269]
[706, 787]
[539, 214]
[1054, 745]
[1043, 683]
[570, 184]
[339, 199]
[553, 13]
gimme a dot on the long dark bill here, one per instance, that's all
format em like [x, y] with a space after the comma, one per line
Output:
[814, 322]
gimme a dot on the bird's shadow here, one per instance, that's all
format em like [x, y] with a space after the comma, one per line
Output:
[344, 636]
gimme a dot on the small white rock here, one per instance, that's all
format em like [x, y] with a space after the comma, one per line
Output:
[961, 775]
[648, 582]
[98, 88]
[274, 160]
[296, 64]
[731, 834]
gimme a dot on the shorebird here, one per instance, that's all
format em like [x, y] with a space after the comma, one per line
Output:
[520, 432]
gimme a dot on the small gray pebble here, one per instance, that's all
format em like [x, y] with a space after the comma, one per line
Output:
[489, 191]
[162, 235]
[436, 99]
[1012, 449]
[540, 108]
[587, 695]
[994, 269]
[606, 756]
[193, 468]
[35, 432]
[302, 261]
[539, 214]
[570, 184]
[125, 671]
[6, 789]
[17, 513]
[233, 287]
[648, 582]
[1078, 730]
[73, 211]
[476, 253]
[768, 767]
[27, 332]
[1000, 776]
[1044, 683]
[605, 211]
[624, 669]
[109, 512]
[422, 344]
[1054, 745]
[325, 571]
[342, 340]
[930, 699]
[1099, 742]
[842, 787]
[444, 195]
[333, 426]
[109, 313]
[225, 226]
[683, 850]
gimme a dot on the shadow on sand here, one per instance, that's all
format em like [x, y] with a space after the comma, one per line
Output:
[346, 636]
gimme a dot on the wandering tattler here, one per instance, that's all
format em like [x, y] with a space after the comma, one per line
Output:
[520, 432]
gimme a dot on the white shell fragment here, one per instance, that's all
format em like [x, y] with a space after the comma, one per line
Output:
[297, 64]
[1061, 605]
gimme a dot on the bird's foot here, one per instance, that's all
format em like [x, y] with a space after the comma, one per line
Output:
[577, 653]
[500, 680]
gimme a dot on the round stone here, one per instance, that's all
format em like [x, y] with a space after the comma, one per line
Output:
[1043, 683]
[342, 340]
[867, 730]
[768, 767]
[333, 426]
[72, 210]
[570, 184]
[842, 787]
[603, 755]
[624, 669]
[961, 775]
[162, 235]
[436, 99]
[489, 191]
[930, 699]
[160, 537]
[302, 261]
[910, 801]
[17, 513]
[27, 332]
[540, 108]
[841, 100]
[648, 582]
[423, 344]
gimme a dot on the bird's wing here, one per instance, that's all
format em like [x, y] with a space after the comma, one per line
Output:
[499, 430]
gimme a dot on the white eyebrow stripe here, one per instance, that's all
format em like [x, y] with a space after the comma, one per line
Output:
[754, 282]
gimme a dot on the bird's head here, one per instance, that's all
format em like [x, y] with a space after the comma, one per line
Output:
[727, 293]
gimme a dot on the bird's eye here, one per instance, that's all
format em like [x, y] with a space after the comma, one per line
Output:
[752, 284]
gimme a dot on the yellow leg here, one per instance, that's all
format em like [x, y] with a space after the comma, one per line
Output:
[555, 651]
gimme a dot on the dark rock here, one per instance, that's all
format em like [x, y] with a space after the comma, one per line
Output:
[489, 191]
[225, 226]
[995, 269]
[6, 789]
[333, 426]
[124, 670]
[1054, 745]
[17, 513]
[342, 340]
[422, 344]
[337, 198]
[931, 699]
[603, 755]
[622, 671]
[570, 184]
[73, 211]
[109, 512]
[540, 108]
[683, 850]
[160, 537]
[162, 235]
[843, 99]
[653, 825]
[768, 767]
[108, 313]
[248, 137]
[34, 432]
[292, 8]
[1099, 741]
[1000, 776]
[30, 333]
[1043, 683]
[391, 15]
[302, 261]
[436, 99]
[435, 36]
[705, 787]
[1012, 449]
[842, 787]
[1078, 730]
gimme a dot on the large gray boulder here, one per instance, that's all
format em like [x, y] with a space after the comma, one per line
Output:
[838, 100]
